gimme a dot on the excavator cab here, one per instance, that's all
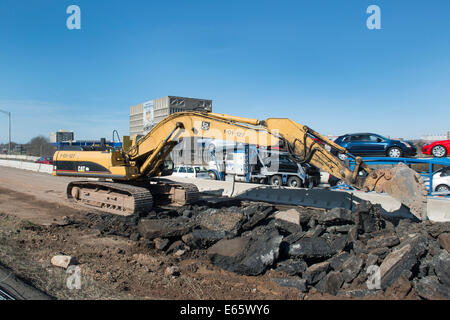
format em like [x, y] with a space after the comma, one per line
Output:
[167, 168]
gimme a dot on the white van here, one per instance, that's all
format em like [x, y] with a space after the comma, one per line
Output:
[190, 171]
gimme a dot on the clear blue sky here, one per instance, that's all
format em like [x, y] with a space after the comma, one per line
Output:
[312, 61]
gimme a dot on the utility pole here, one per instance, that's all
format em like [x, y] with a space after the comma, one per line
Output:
[9, 115]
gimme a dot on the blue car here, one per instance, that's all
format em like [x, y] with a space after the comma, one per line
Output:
[371, 144]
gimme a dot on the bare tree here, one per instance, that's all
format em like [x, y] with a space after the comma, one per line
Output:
[40, 146]
[5, 146]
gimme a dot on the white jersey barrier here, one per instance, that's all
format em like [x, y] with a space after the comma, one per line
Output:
[18, 157]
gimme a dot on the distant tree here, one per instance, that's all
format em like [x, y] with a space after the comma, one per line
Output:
[5, 146]
[40, 147]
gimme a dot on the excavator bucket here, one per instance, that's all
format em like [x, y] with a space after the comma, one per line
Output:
[404, 184]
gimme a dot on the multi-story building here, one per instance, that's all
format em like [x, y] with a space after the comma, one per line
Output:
[61, 136]
[144, 116]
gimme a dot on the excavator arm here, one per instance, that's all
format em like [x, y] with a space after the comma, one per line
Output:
[148, 153]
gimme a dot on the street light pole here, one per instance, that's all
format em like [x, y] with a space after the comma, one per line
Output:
[9, 115]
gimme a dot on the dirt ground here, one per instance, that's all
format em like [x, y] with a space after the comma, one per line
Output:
[51, 192]
[34, 227]
[37, 223]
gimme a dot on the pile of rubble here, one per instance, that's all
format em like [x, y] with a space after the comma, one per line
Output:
[340, 252]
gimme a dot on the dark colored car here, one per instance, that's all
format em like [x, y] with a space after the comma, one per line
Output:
[438, 149]
[371, 144]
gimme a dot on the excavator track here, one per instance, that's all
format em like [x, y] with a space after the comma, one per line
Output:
[192, 192]
[175, 193]
[112, 197]
[129, 199]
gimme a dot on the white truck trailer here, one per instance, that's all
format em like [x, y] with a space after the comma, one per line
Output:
[249, 163]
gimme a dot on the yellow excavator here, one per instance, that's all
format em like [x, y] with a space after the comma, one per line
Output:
[132, 191]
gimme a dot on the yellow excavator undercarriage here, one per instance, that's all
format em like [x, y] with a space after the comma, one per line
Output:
[131, 167]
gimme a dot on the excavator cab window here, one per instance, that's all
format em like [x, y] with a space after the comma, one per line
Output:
[167, 168]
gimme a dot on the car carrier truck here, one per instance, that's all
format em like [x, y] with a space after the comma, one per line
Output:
[250, 163]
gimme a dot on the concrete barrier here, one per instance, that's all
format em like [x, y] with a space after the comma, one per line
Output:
[18, 157]
[24, 165]
[46, 168]
[438, 209]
